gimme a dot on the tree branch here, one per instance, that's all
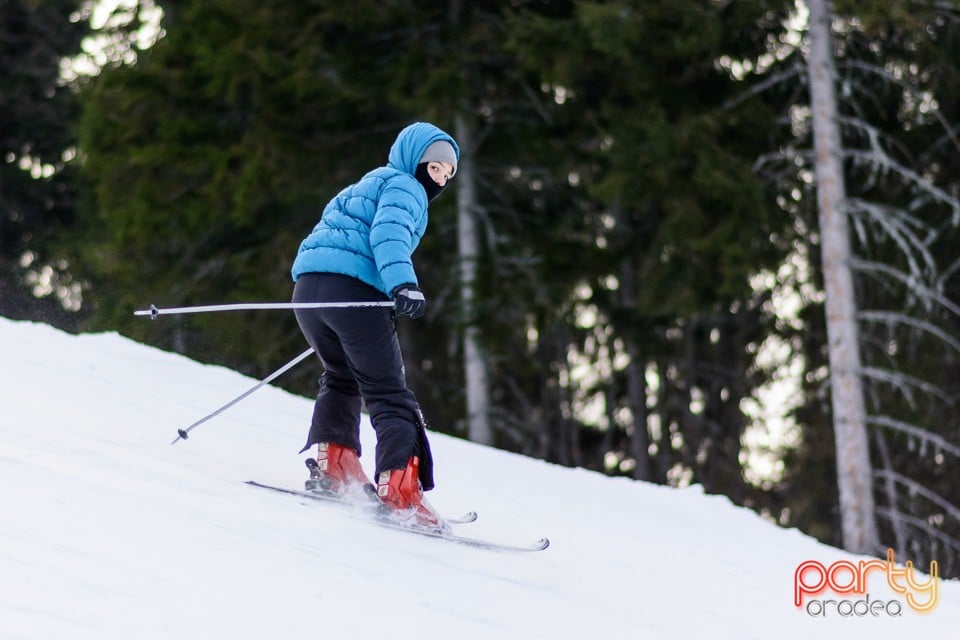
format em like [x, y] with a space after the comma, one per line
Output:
[797, 69]
[897, 225]
[893, 317]
[922, 525]
[914, 487]
[916, 432]
[902, 381]
[910, 282]
[935, 193]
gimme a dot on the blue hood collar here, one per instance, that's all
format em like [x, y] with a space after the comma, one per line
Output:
[410, 144]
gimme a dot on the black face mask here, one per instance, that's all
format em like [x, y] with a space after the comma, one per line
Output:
[431, 187]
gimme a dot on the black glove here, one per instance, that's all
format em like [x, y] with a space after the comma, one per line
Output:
[409, 301]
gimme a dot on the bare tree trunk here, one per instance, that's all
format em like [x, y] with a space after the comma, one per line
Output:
[637, 397]
[854, 472]
[475, 365]
[636, 376]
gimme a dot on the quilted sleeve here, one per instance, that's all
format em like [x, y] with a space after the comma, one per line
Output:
[397, 227]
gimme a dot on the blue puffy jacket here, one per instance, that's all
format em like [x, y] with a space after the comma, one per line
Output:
[371, 228]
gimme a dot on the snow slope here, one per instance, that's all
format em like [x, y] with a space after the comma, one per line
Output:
[107, 531]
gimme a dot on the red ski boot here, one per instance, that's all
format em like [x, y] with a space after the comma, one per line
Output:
[400, 491]
[338, 472]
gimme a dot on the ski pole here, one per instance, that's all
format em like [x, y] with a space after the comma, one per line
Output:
[182, 433]
[153, 311]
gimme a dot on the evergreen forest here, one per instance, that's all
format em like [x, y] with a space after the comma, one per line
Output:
[626, 275]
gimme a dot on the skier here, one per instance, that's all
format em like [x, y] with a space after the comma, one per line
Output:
[361, 251]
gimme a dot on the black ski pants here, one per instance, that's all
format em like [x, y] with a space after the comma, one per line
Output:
[362, 360]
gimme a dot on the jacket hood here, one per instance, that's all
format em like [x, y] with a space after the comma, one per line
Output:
[410, 144]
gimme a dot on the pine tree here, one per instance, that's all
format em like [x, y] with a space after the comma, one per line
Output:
[37, 148]
[675, 223]
[211, 158]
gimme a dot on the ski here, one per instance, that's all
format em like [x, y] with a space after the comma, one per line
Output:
[476, 543]
[372, 505]
[372, 510]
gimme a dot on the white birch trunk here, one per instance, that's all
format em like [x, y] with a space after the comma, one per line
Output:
[854, 472]
[468, 243]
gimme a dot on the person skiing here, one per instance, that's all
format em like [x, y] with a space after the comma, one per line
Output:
[361, 251]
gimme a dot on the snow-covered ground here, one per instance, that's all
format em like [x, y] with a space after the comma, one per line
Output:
[107, 531]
